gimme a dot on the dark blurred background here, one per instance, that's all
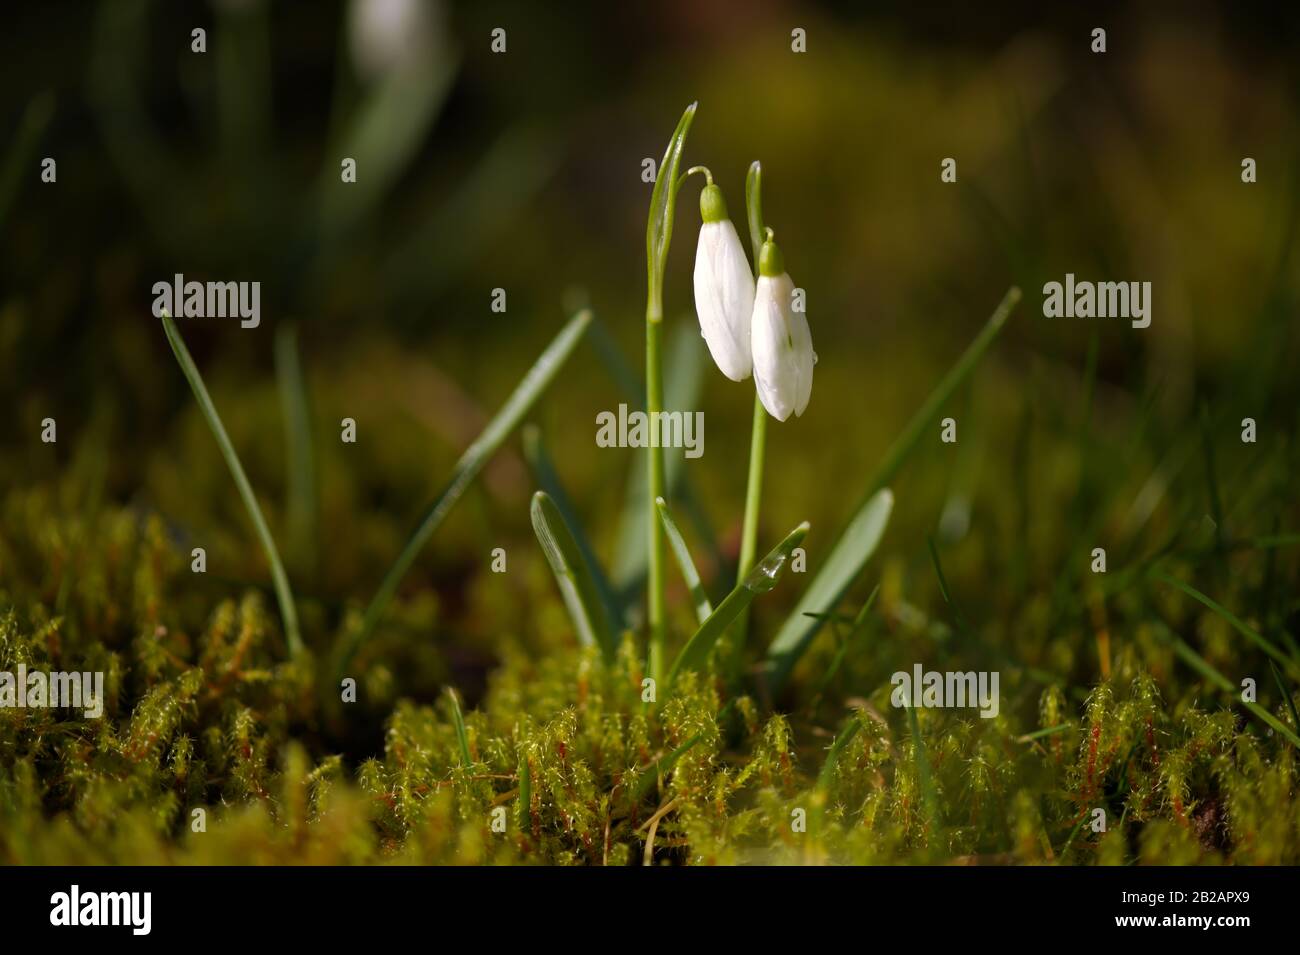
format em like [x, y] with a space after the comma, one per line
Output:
[522, 171]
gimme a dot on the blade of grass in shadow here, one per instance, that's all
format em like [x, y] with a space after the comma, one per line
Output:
[300, 460]
[384, 135]
[859, 620]
[830, 583]
[458, 720]
[689, 574]
[850, 554]
[1286, 694]
[573, 574]
[36, 119]
[471, 462]
[827, 775]
[548, 480]
[661, 766]
[923, 774]
[1198, 663]
[758, 581]
[283, 594]
[525, 803]
[921, 422]
[958, 619]
[1254, 636]
[664, 763]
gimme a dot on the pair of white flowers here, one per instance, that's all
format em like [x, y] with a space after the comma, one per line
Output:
[751, 327]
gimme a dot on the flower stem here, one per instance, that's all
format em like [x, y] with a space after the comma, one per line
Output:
[658, 552]
[753, 498]
[758, 436]
[659, 232]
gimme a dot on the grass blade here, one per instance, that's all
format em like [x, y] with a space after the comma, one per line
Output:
[827, 774]
[36, 119]
[525, 803]
[661, 766]
[758, 581]
[921, 422]
[574, 576]
[458, 720]
[1254, 636]
[548, 480]
[923, 774]
[283, 593]
[471, 462]
[1202, 666]
[1286, 694]
[689, 574]
[663, 200]
[850, 554]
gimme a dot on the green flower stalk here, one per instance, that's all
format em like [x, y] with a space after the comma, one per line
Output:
[659, 231]
[758, 434]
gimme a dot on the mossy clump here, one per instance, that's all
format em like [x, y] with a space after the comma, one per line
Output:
[213, 749]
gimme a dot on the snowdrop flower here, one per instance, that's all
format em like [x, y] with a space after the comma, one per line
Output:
[783, 352]
[724, 287]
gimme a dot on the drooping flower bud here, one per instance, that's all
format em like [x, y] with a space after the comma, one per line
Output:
[782, 343]
[724, 288]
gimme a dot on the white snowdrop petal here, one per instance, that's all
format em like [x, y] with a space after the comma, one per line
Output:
[804, 359]
[724, 298]
[775, 367]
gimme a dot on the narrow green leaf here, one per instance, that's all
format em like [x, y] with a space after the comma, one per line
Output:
[458, 720]
[1198, 663]
[943, 586]
[661, 766]
[924, 418]
[525, 801]
[758, 581]
[689, 574]
[846, 560]
[923, 774]
[384, 135]
[664, 763]
[1286, 694]
[827, 775]
[283, 593]
[1250, 633]
[548, 480]
[1039, 734]
[659, 224]
[574, 576]
[471, 462]
[22, 148]
[856, 623]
